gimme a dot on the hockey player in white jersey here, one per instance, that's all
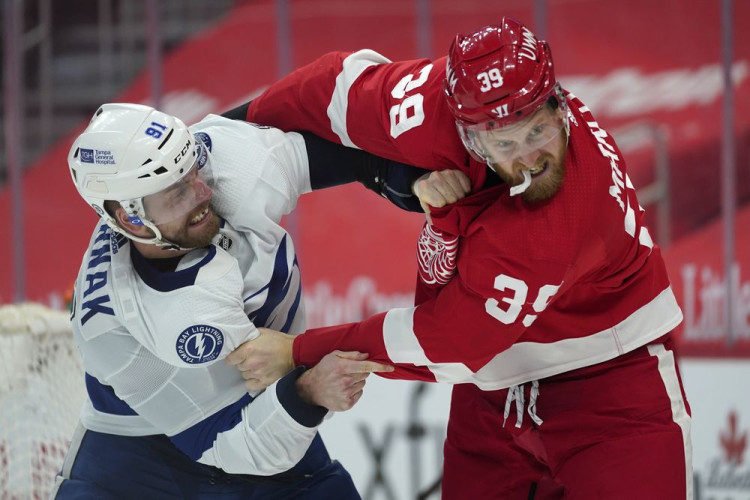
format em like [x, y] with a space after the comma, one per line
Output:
[187, 262]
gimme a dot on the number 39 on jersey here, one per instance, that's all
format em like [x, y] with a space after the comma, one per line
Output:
[409, 112]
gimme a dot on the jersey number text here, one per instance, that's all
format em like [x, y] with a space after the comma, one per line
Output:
[409, 113]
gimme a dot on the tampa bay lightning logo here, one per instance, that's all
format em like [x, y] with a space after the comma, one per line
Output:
[204, 145]
[199, 344]
[205, 139]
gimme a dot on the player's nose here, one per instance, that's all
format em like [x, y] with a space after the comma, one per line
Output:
[529, 158]
[201, 189]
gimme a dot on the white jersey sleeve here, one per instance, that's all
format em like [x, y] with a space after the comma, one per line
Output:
[259, 171]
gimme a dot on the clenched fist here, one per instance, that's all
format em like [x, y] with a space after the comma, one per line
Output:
[440, 188]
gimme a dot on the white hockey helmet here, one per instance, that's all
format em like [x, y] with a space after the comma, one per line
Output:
[130, 153]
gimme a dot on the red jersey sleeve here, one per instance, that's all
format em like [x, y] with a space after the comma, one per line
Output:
[459, 335]
[396, 110]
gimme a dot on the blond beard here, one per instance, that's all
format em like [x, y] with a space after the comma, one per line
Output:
[543, 188]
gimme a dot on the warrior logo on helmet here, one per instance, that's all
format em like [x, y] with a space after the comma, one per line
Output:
[501, 110]
[450, 76]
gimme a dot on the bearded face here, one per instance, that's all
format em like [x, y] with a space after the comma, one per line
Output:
[194, 230]
[536, 146]
[182, 212]
[546, 167]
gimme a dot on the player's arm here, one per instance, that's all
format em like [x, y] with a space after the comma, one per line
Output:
[447, 334]
[300, 162]
[332, 164]
[447, 338]
[362, 100]
[454, 337]
[260, 433]
[300, 100]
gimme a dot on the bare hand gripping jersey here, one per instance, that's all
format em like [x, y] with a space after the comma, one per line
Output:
[540, 290]
[153, 343]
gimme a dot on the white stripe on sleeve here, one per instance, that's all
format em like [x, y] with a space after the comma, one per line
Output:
[402, 346]
[353, 66]
[526, 361]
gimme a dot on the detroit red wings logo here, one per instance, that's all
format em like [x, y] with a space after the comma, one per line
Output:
[436, 255]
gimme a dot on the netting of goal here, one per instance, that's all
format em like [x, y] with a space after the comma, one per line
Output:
[41, 393]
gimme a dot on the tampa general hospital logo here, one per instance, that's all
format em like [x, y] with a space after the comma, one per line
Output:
[199, 344]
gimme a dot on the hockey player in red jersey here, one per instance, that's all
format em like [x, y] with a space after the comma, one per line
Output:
[540, 293]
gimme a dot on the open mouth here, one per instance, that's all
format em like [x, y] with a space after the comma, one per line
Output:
[539, 170]
[200, 218]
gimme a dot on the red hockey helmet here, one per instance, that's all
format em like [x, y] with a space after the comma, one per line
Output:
[497, 76]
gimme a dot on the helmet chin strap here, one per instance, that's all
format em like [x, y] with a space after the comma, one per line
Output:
[157, 240]
[135, 209]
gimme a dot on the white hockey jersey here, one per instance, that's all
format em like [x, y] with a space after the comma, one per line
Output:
[153, 343]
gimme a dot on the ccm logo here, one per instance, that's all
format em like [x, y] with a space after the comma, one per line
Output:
[182, 153]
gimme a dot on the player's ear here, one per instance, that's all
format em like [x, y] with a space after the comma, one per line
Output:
[124, 222]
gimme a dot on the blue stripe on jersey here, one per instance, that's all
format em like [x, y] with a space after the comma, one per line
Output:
[166, 281]
[295, 305]
[195, 440]
[104, 399]
[278, 288]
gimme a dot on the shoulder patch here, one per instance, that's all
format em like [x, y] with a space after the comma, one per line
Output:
[206, 139]
[204, 143]
[199, 344]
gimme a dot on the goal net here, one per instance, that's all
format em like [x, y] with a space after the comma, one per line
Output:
[41, 392]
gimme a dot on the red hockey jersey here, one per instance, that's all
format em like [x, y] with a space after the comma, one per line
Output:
[541, 288]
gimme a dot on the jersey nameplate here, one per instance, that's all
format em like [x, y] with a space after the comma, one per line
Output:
[96, 278]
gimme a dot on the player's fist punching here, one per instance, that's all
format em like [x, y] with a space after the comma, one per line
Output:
[440, 188]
